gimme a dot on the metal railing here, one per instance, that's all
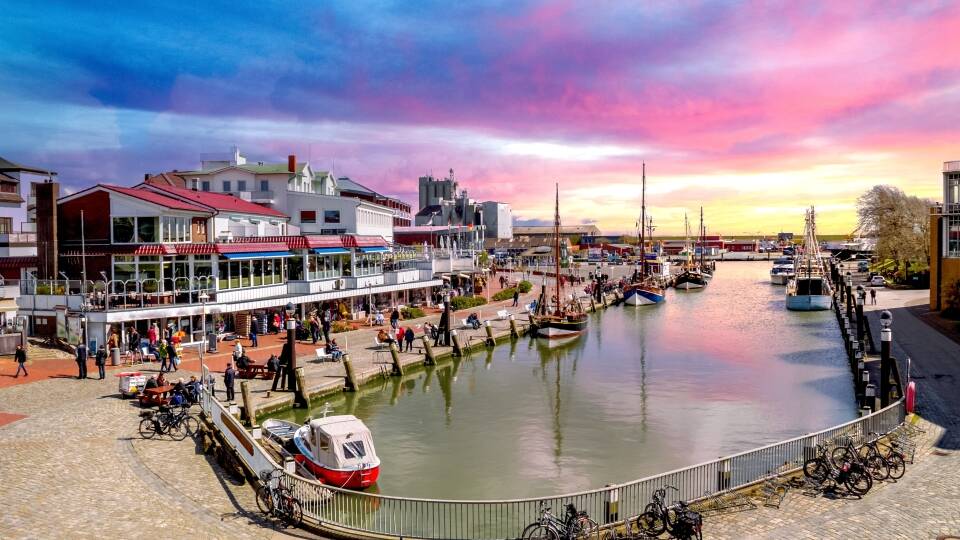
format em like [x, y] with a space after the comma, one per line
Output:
[118, 294]
[371, 514]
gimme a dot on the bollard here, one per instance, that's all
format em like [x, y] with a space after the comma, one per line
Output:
[862, 383]
[489, 341]
[289, 464]
[513, 327]
[457, 350]
[593, 305]
[247, 402]
[395, 354]
[870, 397]
[611, 506]
[351, 383]
[604, 297]
[300, 396]
[430, 359]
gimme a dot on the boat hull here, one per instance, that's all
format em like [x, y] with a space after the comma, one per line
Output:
[808, 302]
[555, 329]
[688, 285]
[351, 479]
[779, 279]
[642, 297]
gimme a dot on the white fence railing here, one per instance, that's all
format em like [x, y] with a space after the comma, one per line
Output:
[401, 517]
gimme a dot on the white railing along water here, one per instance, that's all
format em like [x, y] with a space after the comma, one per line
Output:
[372, 514]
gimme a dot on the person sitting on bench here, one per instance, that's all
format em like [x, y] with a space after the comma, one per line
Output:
[384, 337]
[334, 350]
[273, 364]
[473, 320]
[243, 362]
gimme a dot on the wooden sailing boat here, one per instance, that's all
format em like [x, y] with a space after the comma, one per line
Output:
[558, 317]
[690, 277]
[644, 289]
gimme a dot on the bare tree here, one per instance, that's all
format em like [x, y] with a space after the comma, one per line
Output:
[899, 222]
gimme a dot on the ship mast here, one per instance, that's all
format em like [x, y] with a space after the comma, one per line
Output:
[556, 237]
[643, 224]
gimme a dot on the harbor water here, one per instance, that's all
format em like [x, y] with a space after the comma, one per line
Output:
[645, 390]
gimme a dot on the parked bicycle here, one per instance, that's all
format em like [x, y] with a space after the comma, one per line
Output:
[677, 519]
[874, 465]
[891, 453]
[825, 473]
[274, 498]
[167, 421]
[574, 524]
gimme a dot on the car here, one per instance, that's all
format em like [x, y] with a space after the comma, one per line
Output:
[877, 281]
[863, 266]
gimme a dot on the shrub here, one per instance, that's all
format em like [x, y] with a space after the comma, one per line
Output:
[340, 326]
[952, 294]
[505, 294]
[466, 302]
[412, 313]
[525, 286]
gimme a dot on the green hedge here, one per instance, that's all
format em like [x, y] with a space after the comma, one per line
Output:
[412, 313]
[525, 286]
[505, 294]
[465, 302]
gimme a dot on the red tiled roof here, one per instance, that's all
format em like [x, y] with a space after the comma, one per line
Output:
[251, 247]
[156, 198]
[218, 201]
[17, 262]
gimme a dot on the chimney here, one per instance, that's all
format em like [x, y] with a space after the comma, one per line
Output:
[292, 163]
[146, 176]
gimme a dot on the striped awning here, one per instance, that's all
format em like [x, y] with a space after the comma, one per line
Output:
[257, 255]
[375, 250]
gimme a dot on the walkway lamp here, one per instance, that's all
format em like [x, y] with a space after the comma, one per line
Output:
[204, 340]
[292, 347]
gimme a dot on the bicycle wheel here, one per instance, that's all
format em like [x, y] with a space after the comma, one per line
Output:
[192, 425]
[176, 431]
[147, 428]
[859, 482]
[816, 469]
[878, 468]
[651, 523]
[293, 513]
[842, 455]
[586, 528]
[265, 499]
[896, 466]
[536, 531]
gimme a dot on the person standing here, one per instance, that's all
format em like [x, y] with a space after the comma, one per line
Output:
[873, 296]
[253, 333]
[395, 318]
[237, 350]
[516, 297]
[408, 337]
[314, 329]
[229, 375]
[82, 361]
[325, 326]
[162, 353]
[279, 378]
[133, 343]
[21, 358]
[152, 334]
[101, 360]
[174, 359]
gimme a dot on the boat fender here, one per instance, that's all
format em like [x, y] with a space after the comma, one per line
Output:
[911, 397]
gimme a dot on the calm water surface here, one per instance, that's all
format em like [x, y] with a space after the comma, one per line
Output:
[645, 390]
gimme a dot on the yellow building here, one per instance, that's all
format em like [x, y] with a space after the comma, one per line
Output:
[945, 238]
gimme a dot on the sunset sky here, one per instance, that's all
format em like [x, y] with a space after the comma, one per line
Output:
[752, 110]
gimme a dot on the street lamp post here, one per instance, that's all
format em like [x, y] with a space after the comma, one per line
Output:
[849, 294]
[886, 363]
[203, 325]
[292, 347]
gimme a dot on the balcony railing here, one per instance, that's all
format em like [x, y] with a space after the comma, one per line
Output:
[951, 166]
[116, 294]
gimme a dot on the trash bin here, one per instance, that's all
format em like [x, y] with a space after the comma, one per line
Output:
[115, 356]
[211, 342]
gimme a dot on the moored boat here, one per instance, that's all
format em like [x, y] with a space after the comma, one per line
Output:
[810, 288]
[644, 288]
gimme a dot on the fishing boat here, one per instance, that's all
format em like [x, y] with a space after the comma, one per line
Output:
[644, 289]
[690, 277]
[560, 316]
[810, 289]
[337, 450]
[706, 268]
[782, 270]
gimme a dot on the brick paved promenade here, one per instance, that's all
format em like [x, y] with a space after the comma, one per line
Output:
[72, 465]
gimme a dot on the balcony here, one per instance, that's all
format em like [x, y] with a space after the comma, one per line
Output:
[261, 197]
[951, 166]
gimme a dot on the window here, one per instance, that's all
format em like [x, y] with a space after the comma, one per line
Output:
[952, 236]
[123, 228]
[175, 229]
[147, 229]
[241, 185]
[264, 185]
[205, 185]
[952, 195]
[369, 264]
[8, 187]
[324, 443]
[6, 225]
[331, 216]
[308, 216]
[354, 450]
[226, 185]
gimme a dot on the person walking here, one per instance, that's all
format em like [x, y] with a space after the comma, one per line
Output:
[229, 375]
[81, 361]
[162, 353]
[152, 334]
[20, 356]
[408, 337]
[101, 360]
[174, 359]
[873, 297]
[314, 329]
[133, 343]
[253, 333]
[395, 318]
[516, 297]
[325, 326]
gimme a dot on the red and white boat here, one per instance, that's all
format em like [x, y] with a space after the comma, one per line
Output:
[338, 450]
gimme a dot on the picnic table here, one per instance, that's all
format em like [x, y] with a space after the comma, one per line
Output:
[156, 396]
[254, 370]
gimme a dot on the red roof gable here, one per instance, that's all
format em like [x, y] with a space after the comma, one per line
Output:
[156, 198]
[218, 201]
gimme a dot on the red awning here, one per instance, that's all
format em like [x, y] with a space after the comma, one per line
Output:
[17, 262]
[251, 247]
[324, 241]
[363, 241]
[196, 249]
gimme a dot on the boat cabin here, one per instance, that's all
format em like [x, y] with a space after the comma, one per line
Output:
[813, 286]
[342, 442]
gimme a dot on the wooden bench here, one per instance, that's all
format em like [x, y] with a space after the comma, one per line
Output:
[253, 371]
[156, 396]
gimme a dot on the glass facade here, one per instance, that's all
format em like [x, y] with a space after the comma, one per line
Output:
[251, 273]
[156, 273]
[326, 266]
[952, 236]
[369, 264]
[146, 230]
[175, 229]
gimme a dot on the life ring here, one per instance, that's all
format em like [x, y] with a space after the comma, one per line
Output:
[911, 396]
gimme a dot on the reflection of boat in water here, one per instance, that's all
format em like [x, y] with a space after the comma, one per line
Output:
[560, 316]
[810, 289]
[338, 450]
[644, 289]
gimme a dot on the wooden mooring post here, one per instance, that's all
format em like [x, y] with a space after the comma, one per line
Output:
[247, 403]
[430, 359]
[395, 354]
[513, 327]
[490, 341]
[301, 397]
[351, 383]
[457, 349]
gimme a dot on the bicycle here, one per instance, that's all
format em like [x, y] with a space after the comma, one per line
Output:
[874, 465]
[163, 422]
[278, 501]
[893, 456]
[822, 468]
[575, 524]
[677, 519]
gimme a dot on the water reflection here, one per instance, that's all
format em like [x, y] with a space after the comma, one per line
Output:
[644, 390]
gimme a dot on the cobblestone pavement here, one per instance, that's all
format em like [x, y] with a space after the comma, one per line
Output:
[76, 467]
